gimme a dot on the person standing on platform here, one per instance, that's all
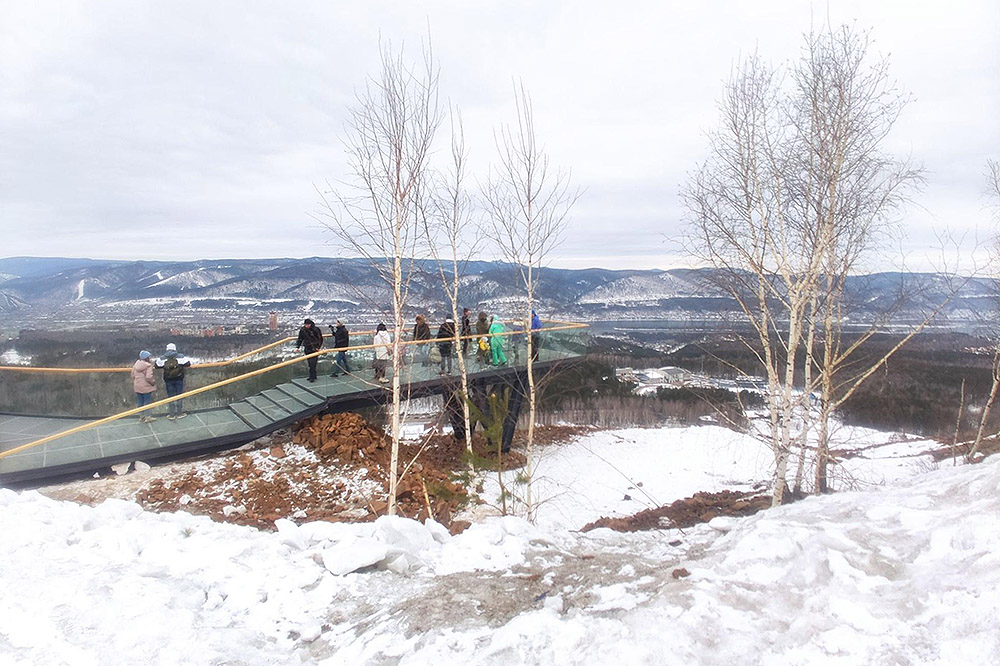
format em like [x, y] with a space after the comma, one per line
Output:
[482, 341]
[446, 339]
[536, 335]
[422, 331]
[341, 340]
[466, 330]
[383, 352]
[144, 384]
[311, 341]
[174, 366]
[496, 343]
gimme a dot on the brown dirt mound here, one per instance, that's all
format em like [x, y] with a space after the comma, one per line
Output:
[699, 508]
[345, 436]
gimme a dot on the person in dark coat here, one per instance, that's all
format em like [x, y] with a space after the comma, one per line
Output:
[466, 330]
[536, 335]
[174, 366]
[422, 331]
[311, 341]
[446, 339]
[341, 341]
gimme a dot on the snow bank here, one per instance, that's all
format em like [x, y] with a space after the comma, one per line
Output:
[896, 575]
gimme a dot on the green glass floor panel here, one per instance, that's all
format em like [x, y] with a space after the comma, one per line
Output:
[122, 447]
[22, 461]
[317, 388]
[299, 393]
[65, 456]
[77, 439]
[273, 411]
[288, 402]
[220, 422]
[251, 415]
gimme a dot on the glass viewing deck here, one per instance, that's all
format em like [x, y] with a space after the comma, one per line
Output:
[64, 422]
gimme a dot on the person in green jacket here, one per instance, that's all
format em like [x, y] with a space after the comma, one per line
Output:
[496, 343]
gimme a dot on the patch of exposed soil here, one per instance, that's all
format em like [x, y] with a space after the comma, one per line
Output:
[699, 508]
[987, 447]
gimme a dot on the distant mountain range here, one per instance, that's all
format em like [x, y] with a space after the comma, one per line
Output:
[78, 289]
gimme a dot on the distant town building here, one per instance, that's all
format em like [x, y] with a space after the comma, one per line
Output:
[272, 322]
[210, 331]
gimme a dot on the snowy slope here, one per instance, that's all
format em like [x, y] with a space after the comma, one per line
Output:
[893, 575]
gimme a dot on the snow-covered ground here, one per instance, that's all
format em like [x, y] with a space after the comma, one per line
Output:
[904, 573]
[12, 357]
[617, 473]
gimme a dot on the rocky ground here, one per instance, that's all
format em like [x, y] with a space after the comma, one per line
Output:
[334, 468]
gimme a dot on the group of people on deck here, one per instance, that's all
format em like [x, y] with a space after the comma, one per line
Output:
[173, 366]
[489, 342]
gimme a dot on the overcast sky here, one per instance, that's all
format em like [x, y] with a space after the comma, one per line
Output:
[185, 130]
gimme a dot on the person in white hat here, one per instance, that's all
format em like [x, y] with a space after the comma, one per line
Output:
[174, 366]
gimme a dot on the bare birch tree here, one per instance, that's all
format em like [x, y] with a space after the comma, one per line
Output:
[528, 204]
[844, 107]
[452, 243]
[742, 225]
[993, 192]
[377, 215]
[794, 193]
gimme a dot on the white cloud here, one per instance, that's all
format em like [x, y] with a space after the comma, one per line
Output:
[213, 121]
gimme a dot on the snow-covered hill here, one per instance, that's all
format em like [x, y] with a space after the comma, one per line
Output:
[899, 574]
[352, 285]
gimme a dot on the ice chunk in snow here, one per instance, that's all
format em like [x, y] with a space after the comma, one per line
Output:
[116, 509]
[722, 523]
[310, 632]
[348, 556]
[289, 534]
[438, 531]
[320, 532]
[614, 597]
[554, 603]
[403, 534]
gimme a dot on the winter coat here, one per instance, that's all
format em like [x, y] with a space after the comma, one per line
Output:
[310, 339]
[446, 337]
[422, 331]
[383, 346]
[341, 338]
[536, 322]
[497, 356]
[142, 377]
[482, 324]
[183, 361]
[466, 326]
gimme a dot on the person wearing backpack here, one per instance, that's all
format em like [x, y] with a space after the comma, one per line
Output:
[174, 366]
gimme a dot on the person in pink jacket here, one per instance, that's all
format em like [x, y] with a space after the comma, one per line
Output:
[144, 383]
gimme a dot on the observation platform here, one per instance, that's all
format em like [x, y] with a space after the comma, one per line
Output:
[41, 448]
